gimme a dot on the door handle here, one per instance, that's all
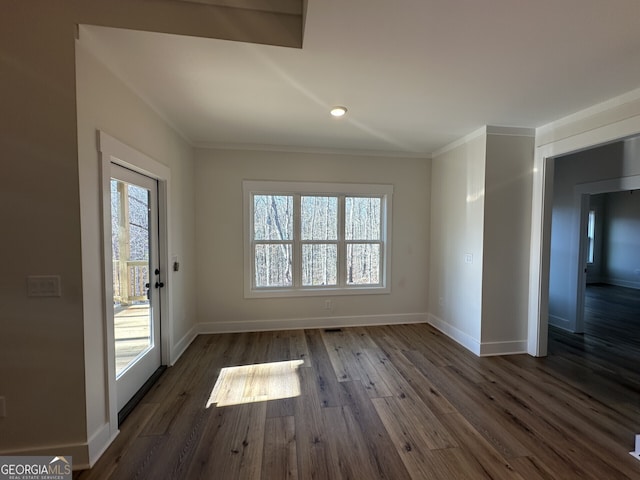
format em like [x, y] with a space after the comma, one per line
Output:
[159, 284]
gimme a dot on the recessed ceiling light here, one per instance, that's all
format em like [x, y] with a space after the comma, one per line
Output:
[338, 111]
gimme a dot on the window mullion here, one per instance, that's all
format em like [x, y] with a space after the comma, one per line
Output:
[342, 249]
[297, 244]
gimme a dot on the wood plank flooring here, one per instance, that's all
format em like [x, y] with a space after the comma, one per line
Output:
[396, 402]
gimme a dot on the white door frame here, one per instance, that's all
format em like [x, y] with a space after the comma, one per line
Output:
[582, 193]
[581, 200]
[113, 151]
[542, 201]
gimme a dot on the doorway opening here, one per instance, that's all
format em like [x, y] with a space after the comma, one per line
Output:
[592, 227]
[593, 306]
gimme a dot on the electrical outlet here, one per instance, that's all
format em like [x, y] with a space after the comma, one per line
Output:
[468, 258]
[328, 304]
[3, 407]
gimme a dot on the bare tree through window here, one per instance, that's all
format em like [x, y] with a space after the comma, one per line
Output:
[306, 240]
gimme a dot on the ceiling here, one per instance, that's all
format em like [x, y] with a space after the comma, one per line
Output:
[415, 75]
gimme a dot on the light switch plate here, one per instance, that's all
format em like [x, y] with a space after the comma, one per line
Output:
[43, 286]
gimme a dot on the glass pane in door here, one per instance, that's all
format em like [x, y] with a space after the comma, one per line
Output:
[130, 242]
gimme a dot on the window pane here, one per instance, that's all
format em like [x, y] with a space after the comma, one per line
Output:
[273, 217]
[363, 264]
[319, 264]
[273, 265]
[319, 218]
[138, 222]
[362, 220]
[591, 228]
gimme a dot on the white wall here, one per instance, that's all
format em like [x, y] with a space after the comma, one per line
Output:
[104, 103]
[481, 206]
[611, 161]
[221, 306]
[41, 339]
[42, 363]
[507, 234]
[457, 219]
[622, 239]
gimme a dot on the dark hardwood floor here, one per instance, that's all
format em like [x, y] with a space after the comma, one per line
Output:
[397, 402]
[604, 361]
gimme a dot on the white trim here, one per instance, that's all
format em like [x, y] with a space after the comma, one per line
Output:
[464, 339]
[129, 157]
[601, 131]
[311, 322]
[266, 186]
[384, 191]
[85, 455]
[98, 443]
[511, 131]
[486, 130]
[590, 113]
[560, 322]
[113, 151]
[76, 450]
[581, 203]
[461, 141]
[620, 184]
[489, 349]
[105, 208]
[311, 150]
[621, 283]
[181, 346]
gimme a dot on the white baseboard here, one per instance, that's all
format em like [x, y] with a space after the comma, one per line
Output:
[481, 349]
[561, 322]
[84, 455]
[621, 283]
[488, 349]
[318, 322]
[98, 443]
[181, 346]
[467, 341]
[79, 453]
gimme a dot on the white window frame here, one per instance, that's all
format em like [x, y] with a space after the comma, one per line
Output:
[384, 192]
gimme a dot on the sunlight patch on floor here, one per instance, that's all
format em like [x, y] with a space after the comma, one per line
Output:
[256, 383]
